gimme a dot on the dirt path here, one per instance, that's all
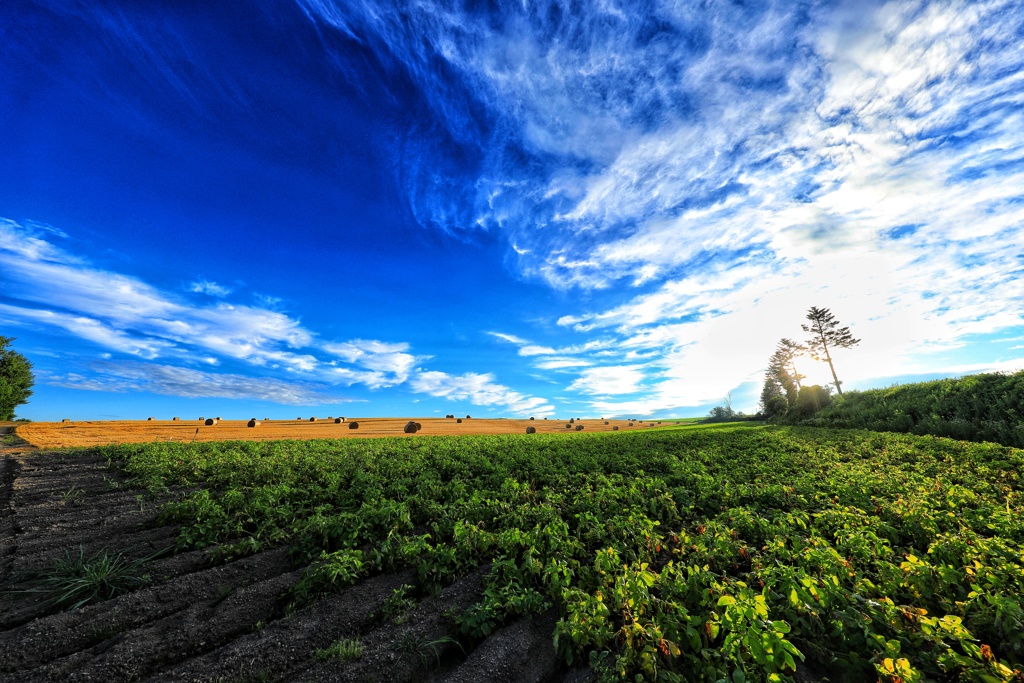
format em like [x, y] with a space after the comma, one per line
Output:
[196, 620]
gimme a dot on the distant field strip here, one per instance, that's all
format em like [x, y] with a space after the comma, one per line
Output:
[99, 433]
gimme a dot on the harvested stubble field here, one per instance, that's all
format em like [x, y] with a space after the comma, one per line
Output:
[707, 553]
[100, 433]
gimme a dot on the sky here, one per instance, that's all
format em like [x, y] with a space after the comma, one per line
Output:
[343, 207]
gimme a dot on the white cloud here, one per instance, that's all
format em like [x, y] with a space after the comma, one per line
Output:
[210, 288]
[385, 364]
[609, 380]
[478, 389]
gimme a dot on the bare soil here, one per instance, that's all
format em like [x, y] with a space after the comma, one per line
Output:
[95, 433]
[197, 619]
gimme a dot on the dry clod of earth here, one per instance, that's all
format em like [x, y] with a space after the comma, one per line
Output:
[253, 423]
[531, 430]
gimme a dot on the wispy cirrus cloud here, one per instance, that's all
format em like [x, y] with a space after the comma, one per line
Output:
[740, 166]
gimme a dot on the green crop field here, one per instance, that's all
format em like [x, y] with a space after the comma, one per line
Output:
[726, 552]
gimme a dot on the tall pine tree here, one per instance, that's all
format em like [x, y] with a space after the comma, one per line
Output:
[825, 335]
[781, 379]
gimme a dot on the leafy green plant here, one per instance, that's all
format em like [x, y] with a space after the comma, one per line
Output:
[343, 649]
[398, 605]
[73, 495]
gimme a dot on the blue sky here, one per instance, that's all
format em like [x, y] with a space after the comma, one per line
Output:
[503, 209]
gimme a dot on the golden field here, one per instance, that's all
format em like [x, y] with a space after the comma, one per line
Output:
[101, 432]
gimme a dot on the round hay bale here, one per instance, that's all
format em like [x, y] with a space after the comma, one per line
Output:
[65, 420]
[531, 430]
[330, 417]
[606, 421]
[418, 425]
[469, 417]
[459, 421]
[175, 419]
[266, 419]
[253, 423]
[150, 419]
[630, 424]
[579, 427]
[568, 426]
[201, 418]
[572, 420]
[338, 420]
[312, 419]
[615, 428]
[410, 428]
[219, 418]
[532, 418]
[210, 421]
[353, 425]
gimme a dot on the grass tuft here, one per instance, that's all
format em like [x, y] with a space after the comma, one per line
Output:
[343, 649]
[76, 580]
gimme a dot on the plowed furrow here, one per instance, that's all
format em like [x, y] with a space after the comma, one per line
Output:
[285, 646]
[58, 635]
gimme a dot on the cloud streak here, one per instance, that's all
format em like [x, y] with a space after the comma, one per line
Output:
[190, 383]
